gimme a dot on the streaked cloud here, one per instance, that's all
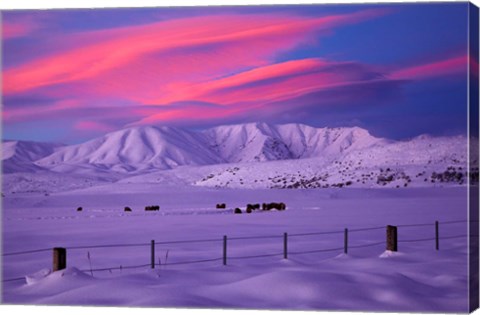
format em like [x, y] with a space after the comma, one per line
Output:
[198, 69]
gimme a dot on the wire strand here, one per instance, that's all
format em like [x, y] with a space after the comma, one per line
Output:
[27, 252]
[190, 262]
[414, 225]
[188, 241]
[255, 256]
[316, 233]
[367, 229]
[417, 240]
[316, 251]
[366, 245]
[254, 237]
[107, 246]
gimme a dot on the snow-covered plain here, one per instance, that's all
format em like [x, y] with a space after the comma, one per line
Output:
[417, 278]
[390, 183]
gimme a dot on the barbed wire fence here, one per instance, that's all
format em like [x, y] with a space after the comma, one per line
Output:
[225, 257]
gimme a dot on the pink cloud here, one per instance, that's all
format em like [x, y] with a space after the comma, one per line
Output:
[31, 111]
[271, 83]
[261, 87]
[256, 89]
[92, 126]
[207, 46]
[456, 65]
[18, 28]
[189, 113]
[168, 61]
[200, 90]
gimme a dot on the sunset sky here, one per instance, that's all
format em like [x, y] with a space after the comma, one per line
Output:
[397, 70]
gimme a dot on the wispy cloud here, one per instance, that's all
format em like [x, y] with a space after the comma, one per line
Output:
[203, 68]
[171, 50]
[18, 28]
[92, 126]
[455, 65]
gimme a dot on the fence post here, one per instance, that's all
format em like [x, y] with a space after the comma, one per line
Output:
[392, 238]
[224, 250]
[345, 242]
[437, 240]
[285, 245]
[59, 258]
[152, 254]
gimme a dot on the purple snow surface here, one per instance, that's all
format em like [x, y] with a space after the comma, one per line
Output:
[417, 278]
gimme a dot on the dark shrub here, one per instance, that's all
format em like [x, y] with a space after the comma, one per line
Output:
[221, 206]
[238, 211]
[127, 209]
[79, 209]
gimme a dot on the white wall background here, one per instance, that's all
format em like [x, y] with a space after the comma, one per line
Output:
[45, 4]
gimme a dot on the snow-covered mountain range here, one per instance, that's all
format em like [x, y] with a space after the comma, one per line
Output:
[253, 155]
[20, 156]
[157, 148]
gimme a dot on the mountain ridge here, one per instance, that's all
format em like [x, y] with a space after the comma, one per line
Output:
[151, 148]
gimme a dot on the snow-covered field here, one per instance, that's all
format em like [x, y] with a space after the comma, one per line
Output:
[329, 178]
[417, 278]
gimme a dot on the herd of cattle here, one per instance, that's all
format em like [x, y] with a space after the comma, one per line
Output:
[280, 206]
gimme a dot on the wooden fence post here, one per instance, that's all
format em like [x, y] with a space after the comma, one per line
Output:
[392, 238]
[224, 250]
[285, 245]
[59, 258]
[345, 242]
[152, 254]
[437, 240]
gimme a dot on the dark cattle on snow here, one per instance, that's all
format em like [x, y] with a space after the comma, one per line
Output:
[79, 209]
[127, 209]
[274, 205]
[238, 210]
[251, 207]
[221, 206]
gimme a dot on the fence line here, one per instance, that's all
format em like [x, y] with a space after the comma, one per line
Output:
[230, 238]
[284, 236]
